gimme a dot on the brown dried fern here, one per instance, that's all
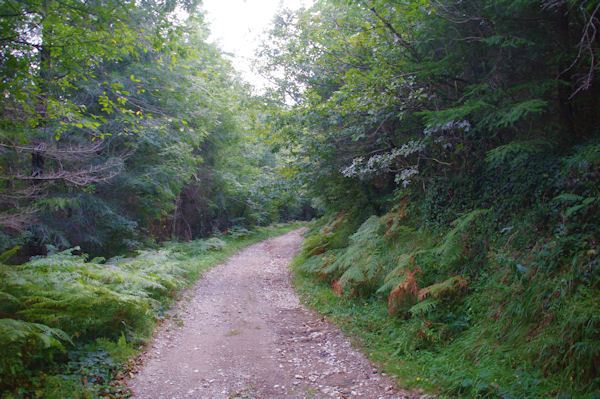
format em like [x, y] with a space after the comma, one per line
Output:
[393, 218]
[453, 285]
[405, 294]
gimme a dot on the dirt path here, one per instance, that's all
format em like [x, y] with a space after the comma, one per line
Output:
[242, 333]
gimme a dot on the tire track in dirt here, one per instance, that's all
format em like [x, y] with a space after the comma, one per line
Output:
[243, 333]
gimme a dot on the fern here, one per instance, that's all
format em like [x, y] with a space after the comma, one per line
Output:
[579, 201]
[424, 307]
[316, 244]
[63, 290]
[521, 110]
[5, 296]
[16, 332]
[584, 158]
[514, 152]
[393, 219]
[6, 255]
[449, 115]
[451, 248]
[404, 296]
[393, 278]
[447, 287]
[361, 264]
[212, 244]
[330, 236]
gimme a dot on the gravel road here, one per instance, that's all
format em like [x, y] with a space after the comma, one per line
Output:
[241, 332]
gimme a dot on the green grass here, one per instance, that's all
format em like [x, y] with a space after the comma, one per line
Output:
[74, 325]
[366, 319]
[447, 373]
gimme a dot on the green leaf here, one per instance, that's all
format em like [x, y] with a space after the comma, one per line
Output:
[6, 255]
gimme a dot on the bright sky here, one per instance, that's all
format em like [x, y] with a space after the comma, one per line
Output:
[237, 26]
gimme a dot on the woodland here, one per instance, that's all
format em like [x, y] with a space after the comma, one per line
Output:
[447, 151]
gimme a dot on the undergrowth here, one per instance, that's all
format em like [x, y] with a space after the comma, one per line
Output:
[464, 338]
[486, 306]
[69, 325]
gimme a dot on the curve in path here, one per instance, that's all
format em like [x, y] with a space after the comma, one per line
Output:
[241, 332]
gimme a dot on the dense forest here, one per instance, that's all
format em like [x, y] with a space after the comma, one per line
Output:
[121, 124]
[450, 148]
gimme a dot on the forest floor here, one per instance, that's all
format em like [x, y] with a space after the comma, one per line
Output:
[241, 332]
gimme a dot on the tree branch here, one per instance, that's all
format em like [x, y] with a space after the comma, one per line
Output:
[399, 39]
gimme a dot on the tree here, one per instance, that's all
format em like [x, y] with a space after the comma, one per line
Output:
[400, 95]
[62, 105]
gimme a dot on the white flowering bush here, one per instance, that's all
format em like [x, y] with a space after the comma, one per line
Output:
[386, 162]
[396, 160]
